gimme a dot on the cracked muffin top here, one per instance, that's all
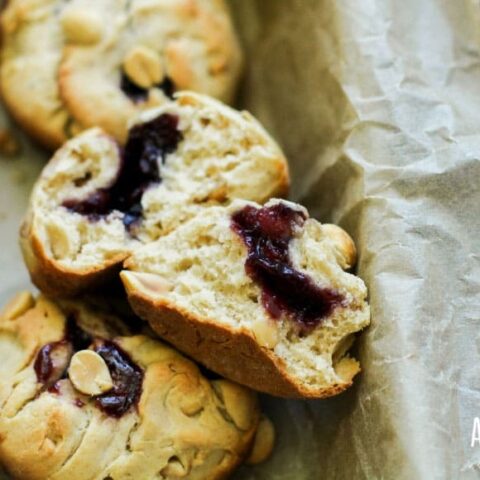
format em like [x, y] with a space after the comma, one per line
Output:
[71, 65]
[81, 398]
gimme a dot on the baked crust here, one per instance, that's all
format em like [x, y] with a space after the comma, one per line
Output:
[184, 425]
[55, 280]
[233, 354]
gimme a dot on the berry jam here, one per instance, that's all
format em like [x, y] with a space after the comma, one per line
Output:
[267, 233]
[146, 143]
[139, 94]
[53, 360]
[132, 91]
[49, 370]
[127, 380]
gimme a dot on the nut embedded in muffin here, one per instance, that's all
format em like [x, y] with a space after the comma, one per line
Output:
[89, 373]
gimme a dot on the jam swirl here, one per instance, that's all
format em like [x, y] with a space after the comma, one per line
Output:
[267, 233]
[146, 144]
[53, 359]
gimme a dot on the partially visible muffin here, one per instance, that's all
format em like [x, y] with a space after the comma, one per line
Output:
[259, 294]
[81, 398]
[32, 42]
[145, 51]
[94, 204]
[71, 65]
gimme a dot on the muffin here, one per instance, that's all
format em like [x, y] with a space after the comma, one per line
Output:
[259, 294]
[71, 65]
[94, 203]
[81, 397]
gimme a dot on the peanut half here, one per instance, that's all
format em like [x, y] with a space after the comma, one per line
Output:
[266, 333]
[19, 304]
[81, 26]
[147, 283]
[263, 443]
[238, 402]
[89, 373]
[345, 250]
[142, 65]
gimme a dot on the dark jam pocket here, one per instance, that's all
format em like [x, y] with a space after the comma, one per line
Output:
[133, 92]
[139, 94]
[53, 360]
[267, 233]
[146, 144]
[127, 380]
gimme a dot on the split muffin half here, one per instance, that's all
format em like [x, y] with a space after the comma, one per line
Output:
[95, 203]
[258, 294]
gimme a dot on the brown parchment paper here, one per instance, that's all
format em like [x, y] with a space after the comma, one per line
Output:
[377, 105]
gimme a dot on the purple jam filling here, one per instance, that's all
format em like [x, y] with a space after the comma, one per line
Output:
[127, 380]
[126, 375]
[48, 370]
[132, 91]
[146, 143]
[267, 233]
[139, 94]
[48, 373]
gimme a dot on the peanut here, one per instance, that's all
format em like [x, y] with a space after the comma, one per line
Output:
[142, 65]
[81, 26]
[345, 250]
[89, 373]
[265, 332]
[239, 403]
[19, 304]
[263, 443]
[147, 282]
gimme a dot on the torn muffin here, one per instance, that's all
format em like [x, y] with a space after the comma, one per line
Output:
[95, 203]
[259, 294]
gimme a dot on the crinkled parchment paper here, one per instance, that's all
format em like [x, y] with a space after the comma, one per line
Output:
[377, 105]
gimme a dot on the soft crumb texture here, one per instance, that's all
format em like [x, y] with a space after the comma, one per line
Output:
[184, 425]
[222, 155]
[71, 65]
[85, 164]
[197, 275]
